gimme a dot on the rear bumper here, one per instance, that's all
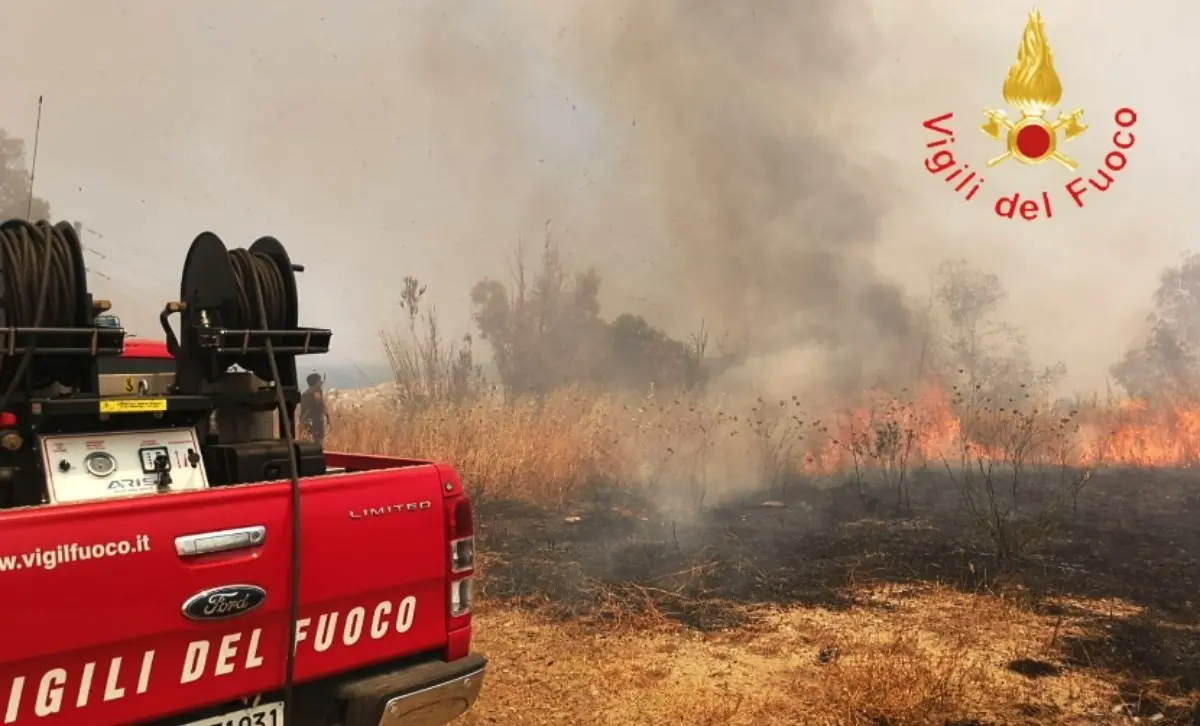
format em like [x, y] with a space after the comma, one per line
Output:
[430, 694]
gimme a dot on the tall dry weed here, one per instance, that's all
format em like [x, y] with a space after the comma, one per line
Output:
[559, 448]
[545, 451]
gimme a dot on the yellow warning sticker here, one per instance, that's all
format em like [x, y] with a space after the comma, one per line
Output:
[133, 405]
[130, 384]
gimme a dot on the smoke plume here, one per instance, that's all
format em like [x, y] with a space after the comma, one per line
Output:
[772, 222]
[756, 166]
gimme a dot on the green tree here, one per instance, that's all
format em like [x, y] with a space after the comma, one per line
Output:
[642, 355]
[545, 332]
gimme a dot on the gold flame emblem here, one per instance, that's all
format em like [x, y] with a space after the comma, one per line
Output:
[1033, 88]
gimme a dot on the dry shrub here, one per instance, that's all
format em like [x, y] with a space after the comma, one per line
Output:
[899, 683]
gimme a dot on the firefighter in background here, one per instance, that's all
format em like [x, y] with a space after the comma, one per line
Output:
[313, 413]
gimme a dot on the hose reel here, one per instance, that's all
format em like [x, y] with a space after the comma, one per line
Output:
[46, 311]
[232, 302]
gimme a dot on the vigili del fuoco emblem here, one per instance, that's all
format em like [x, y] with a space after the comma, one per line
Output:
[1033, 88]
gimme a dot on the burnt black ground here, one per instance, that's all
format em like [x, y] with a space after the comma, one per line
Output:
[1135, 535]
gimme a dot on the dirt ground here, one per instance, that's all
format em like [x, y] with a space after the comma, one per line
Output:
[815, 609]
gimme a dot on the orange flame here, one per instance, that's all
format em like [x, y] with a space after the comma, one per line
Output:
[932, 427]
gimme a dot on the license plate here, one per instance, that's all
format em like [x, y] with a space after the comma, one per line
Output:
[270, 714]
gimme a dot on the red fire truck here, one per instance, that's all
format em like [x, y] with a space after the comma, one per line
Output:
[166, 558]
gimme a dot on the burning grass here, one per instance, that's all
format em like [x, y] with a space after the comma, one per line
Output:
[555, 450]
[934, 559]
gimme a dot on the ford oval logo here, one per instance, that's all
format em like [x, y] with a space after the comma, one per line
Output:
[219, 603]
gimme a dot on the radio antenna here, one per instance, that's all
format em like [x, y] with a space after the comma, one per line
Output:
[37, 135]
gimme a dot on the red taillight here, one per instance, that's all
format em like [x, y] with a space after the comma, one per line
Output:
[460, 530]
[462, 518]
[7, 420]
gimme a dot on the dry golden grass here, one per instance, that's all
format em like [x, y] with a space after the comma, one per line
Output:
[546, 454]
[922, 656]
[556, 450]
[931, 657]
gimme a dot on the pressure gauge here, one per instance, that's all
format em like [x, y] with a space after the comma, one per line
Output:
[100, 464]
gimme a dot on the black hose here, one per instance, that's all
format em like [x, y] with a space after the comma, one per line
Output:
[40, 290]
[273, 313]
[269, 313]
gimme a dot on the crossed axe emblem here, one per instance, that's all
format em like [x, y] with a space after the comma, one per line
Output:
[1031, 140]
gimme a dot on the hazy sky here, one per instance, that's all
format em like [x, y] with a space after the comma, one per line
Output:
[378, 139]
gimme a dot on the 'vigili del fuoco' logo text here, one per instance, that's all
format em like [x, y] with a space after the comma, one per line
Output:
[1033, 88]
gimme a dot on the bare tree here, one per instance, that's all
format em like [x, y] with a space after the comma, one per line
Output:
[985, 355]
[426, 369]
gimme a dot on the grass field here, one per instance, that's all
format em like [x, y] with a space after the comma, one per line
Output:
[663, 561]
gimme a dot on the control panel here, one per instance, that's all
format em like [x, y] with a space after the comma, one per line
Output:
[87, 467]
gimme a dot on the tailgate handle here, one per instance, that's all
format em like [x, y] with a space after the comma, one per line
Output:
[223, 540]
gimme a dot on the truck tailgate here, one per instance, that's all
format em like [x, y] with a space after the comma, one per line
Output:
[92, 620]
